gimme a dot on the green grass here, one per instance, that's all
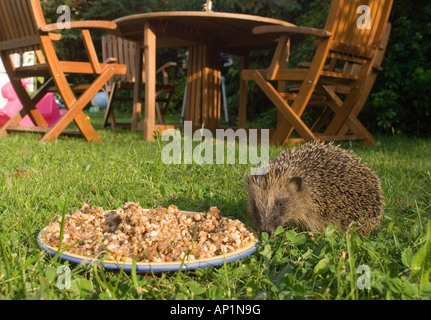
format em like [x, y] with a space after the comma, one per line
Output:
[38, 181]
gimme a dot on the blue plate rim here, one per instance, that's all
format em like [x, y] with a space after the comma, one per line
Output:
[153, 267]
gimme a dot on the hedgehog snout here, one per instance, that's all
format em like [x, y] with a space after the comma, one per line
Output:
[270, 220]
[270, 229]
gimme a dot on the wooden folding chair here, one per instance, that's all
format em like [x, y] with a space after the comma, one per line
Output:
[320, 101]
[345, 56]
[23, 28]
[124, 51]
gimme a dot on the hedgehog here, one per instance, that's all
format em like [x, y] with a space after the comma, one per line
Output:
[313, 186]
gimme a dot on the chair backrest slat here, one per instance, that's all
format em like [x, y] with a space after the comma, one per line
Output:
[6, 30]
[28, 21]
[131, 67]
[13, 12]
[352, 39]
[124, 51]
[19, 22]
[125, 55]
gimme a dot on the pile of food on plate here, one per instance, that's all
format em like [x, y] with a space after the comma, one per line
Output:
[155, 235]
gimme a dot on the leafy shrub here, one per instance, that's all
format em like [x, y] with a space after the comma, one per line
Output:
[405, 81]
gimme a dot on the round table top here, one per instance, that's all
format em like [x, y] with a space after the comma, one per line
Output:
[230, 32]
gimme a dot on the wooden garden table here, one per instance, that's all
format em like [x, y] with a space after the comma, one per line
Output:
[206, 35]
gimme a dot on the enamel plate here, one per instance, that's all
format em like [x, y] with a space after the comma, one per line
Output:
[149, 266]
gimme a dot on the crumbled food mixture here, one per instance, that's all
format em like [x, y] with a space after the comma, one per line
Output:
[157, 235]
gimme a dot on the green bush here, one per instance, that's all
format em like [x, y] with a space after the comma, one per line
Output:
[400, 101]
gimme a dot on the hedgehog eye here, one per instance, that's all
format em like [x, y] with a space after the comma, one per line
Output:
[280, 204]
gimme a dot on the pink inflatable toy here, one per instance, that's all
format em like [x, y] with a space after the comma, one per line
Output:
[47, 107]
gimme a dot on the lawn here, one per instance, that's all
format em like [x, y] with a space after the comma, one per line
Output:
[38, 181]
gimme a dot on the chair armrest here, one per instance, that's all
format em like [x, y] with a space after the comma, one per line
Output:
[165, 66]
[109, 26]
[110, 60]
[84, 26]
[292, 30]
[55, 36]
[164, 72]
[307, 65]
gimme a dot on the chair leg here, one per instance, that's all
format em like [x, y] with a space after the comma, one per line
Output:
[351, 100]
[355, 112]
[342, 114]
[43, 90]
[27, 103]
[109, 113]
[351, 122]
[160, 117]
[290, 116]
[76, 107]
[163, 106]
[11, 122]
[322, 120]
[112, 120]
[285, 127]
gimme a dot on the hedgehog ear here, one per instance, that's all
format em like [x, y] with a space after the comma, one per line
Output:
[297, 182]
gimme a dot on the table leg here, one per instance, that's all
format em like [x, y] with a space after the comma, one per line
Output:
[212, 89]
[150, 83]
[203, 101]
[194, 83]
[137, 91]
